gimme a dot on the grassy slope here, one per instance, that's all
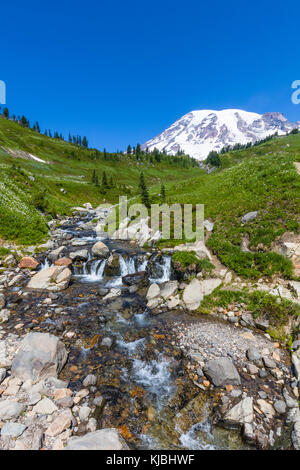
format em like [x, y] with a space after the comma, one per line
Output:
[261, 178]
[68, 167]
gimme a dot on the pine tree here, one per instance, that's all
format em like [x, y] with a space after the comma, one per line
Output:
[111, 181]
[85, 142]
[104, 180]
[144, 191]
[5, 113]
[163, 193]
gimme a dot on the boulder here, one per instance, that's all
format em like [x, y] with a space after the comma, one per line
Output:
[63, 262]
[100, 250]
[296, 435]
[55, 254]
[139, 278]
[240, 414]
[153, 291]
[104, 439]
[222, 372]
[168, 289]
[53, 279]
[40, 355]
[80, 255]
[12, 430]
[192, 295]
[29, 263]
[112, 266]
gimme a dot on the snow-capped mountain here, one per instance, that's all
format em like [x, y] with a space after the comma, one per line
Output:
[199, 132]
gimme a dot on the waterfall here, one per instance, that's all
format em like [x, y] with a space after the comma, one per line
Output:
[45, 264]
[128, 266]
[90, 271]
[166, 270]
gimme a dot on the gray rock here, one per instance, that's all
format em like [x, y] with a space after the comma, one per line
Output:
[10, 409]
[40, 355]
[12, 430]
[252, 369]
[107, 342]
[249, 216]
[100, 250]
[290, 402]
[80, 255]
[104, 439]
[222, 372]
[45, 407]
[248, 319]
[55, 254]
[296, 435]
[280, 406]
[262, 324]
[53, 279]
[240, 414]
[153, 291]
[84, 413]
[269, 363]
[263, 373]
[296, 363]
[253, 354]
[89, 380]
[98, 401]
[262, 395]
[2, 374]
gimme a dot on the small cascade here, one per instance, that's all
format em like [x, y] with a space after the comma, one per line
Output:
[127, 266]
[165, 268]
[142, 266]
[45, 264]
[90, 271]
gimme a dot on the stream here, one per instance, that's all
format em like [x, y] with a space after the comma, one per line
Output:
[141, 372]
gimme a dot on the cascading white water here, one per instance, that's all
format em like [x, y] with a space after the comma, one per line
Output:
[128, 266]
[91, 272]
[166, 270]
[46, 264]
[142, 266]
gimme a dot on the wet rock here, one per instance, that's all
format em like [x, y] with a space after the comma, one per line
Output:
[29, 263]
[240, 414]
[107, 342]
[104, 439]
[139, 278]
[112, 266]
[100, 250]
[114, 292]
[54, 279]
[10, 409]
[40, 355]
[103, 291]
[90, 379]
[222, 372]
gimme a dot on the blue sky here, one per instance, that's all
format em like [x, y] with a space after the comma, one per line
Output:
[120, 72]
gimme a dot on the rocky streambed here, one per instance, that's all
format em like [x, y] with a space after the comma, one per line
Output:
[98, 349]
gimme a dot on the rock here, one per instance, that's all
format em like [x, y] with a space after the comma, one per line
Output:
[45, 407]
[208, 225]
[222, 372]
[40, 355]
[296, 345]
[61, 393]
[136, 279]
[90, 380]
[262, 323]
[107, 342]
[2, 374]
[253, 354]
[296, 435]
[263, 373]
[290, 402]
[91, 425]
[248, 433]
[103, 439]
[153, 291]
[266, 408]
[55, 254]
[53, 279]
[79, 255]
[296, 363]
[252, 369]
[29, 263]
[280, 406]
[112, 266]
[2, 301]
[12, 430]
[100, 250]
[84, 413]
[33, 398]
[4, 315]
[173, 302]
[192, 295]
[269, 363]
[59, 425]
[114, 292]
[240, 414]
[98, 401]
[63, 262]
[10, 409]
[248, 319]
[168, 289]
[249, 216]
[103, 291]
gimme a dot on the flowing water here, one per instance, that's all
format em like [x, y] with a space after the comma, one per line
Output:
[141, 375]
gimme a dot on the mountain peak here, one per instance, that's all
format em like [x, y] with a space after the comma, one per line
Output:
[201, 131]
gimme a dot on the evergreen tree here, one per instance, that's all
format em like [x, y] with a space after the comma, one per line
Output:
[104, 181]
[144, 191]
[85, 142]
[6, 113]
[163, 193]
[213, 159]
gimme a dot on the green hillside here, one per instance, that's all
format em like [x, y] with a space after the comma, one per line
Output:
[31, 191]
